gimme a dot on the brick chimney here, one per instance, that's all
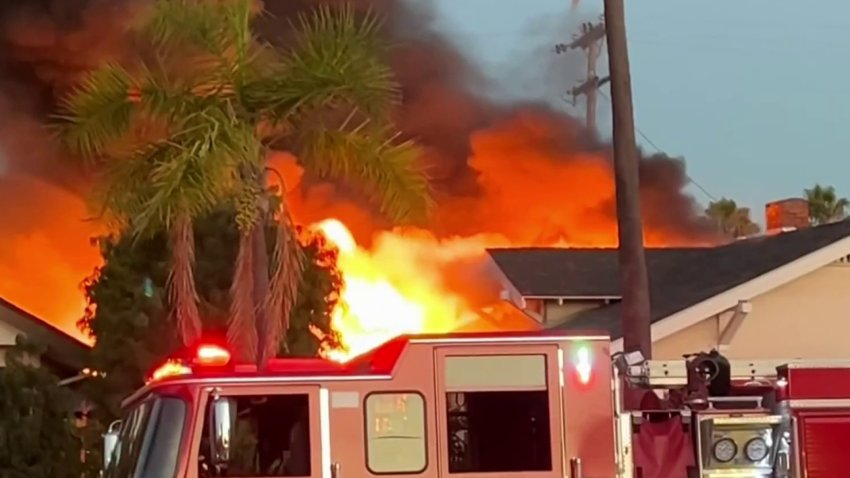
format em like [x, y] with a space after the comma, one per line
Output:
[786, 213]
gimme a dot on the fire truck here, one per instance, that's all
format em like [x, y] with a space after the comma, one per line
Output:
[531, 405]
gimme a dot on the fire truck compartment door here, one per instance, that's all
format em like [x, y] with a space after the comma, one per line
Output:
[317, 427]
[824, 440]
[471, 377]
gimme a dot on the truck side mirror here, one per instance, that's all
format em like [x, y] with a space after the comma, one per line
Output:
[222, 417]
[110, 442]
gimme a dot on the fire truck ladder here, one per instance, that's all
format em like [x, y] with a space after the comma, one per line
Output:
[674, 373]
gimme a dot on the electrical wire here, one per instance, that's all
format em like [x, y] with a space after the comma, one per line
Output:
[659, 150]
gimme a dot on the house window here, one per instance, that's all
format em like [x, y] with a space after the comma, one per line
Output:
[497, 414]
[395, 433]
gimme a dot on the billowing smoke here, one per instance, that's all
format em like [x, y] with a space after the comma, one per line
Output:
[45, 237]
[525, 171]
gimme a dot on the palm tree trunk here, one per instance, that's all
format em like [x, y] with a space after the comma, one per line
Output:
[263, 322]
[181, 282]
[288, 267]
[276, 297]
[261, 305]
[241, 329]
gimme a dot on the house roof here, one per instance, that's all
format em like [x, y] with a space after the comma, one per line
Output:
[62, 349]
[680, 278]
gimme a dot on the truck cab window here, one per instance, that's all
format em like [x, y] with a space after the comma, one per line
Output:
[130, 441]
[271, 437]
[149, 440]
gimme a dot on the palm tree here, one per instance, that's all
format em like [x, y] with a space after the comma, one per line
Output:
[730, 219]
[186, 127]
[824, 205]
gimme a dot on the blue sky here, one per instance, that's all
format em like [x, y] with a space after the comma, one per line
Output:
[753, 93]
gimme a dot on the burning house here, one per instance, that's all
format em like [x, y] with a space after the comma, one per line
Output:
[781, 294]
[506, 176]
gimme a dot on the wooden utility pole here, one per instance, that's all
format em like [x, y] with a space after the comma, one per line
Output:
[633, 275]
[590, 40]
[592, 56]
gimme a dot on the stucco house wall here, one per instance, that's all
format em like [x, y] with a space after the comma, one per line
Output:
[557, 314]
[806, 318]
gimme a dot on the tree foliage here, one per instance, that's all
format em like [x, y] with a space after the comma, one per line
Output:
[128, 302]
[731, 220]
[824, 205]
[185, 127]
[38, 438]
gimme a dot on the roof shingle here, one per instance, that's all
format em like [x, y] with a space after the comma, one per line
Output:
[679, 277]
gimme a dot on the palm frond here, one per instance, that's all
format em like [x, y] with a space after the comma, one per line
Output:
[98, 112]
[114, 111]
[241, 332]
[209, 42]
[181, 281]
[192, 171]
[336, 59]
[288, 260]
[122, 189]
[371, 161]
[216, 27]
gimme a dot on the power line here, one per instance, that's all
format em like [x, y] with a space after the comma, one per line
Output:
[650, 36]
[587, 40]
[659, 150]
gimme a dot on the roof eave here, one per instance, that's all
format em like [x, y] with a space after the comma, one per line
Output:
[572, 297]
[728, 299]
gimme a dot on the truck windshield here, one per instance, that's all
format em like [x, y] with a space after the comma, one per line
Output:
[149, 440]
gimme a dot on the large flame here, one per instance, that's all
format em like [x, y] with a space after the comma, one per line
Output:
[532, 188]
[392, 290]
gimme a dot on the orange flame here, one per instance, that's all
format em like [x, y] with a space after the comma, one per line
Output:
[45, 251]
[531, 188]
[390, 291]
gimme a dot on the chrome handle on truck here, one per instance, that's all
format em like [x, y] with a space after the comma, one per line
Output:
[783, 465]
[575, 467]
[335, 470]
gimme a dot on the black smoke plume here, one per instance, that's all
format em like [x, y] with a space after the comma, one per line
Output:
[47, 44]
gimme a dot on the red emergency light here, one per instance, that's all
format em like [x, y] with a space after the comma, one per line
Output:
[210, 355]
[580, 365]
[204, 356]
[583, 364]
[171, 368]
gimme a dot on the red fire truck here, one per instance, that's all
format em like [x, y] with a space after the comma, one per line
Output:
[531, 405]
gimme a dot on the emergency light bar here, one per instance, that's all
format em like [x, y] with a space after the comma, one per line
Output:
[212, 356]
[206, 355]
[170, 368]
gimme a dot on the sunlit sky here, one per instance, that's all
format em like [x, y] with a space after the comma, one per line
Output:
[753, 93]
